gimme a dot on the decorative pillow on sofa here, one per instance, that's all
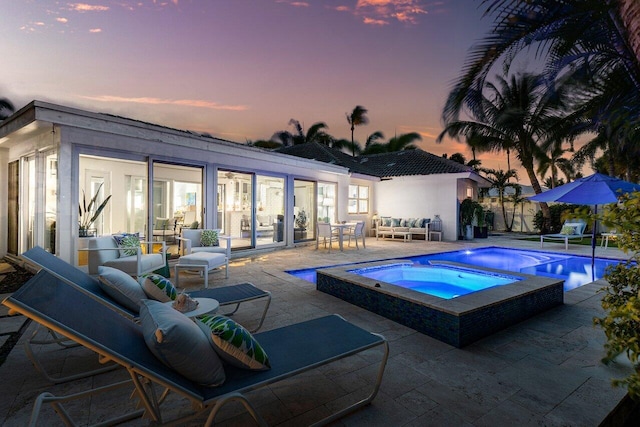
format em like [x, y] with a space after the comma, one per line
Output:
[395, 222]
[209, 238]
[422, 223]
[385, 221]
[180, 344]
[233, 343]
[568, 230]
[157, 287]
[123, 288]
[130, 241]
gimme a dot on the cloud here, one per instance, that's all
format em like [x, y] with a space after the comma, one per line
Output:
[158, 101]
[62, 20]
[371, 21]
[95, 30]
[294, 3]
[342, 8]
[378, 12]
[83, 7]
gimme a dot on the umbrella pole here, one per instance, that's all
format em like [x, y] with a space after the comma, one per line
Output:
[593, 243]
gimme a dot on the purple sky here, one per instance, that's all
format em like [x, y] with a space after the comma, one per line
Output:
[240, 69]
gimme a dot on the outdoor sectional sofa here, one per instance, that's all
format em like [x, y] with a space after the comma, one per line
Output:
[402, 227]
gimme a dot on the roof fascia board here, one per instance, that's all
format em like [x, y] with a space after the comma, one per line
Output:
[118, 125]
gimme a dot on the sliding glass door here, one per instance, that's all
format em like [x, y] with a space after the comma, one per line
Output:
[304, 210]
[269, 220]
[251, 209]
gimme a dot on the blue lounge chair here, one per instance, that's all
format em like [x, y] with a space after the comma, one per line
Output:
[226, 296]
[65, 309]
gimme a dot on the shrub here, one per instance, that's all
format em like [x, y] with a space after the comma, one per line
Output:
[621, 301]
[559, 213]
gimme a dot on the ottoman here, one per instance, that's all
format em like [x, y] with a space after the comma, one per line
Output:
[202, 261]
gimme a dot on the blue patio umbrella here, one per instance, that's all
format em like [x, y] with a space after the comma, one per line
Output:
[596, 189]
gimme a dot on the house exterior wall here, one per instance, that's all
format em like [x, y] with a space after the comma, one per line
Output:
[78, 132]
[421, 196]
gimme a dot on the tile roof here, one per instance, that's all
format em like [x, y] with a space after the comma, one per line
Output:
[384, 165]
[323, 153]
[412, 162]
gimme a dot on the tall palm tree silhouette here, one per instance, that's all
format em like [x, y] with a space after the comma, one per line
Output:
[357, 117]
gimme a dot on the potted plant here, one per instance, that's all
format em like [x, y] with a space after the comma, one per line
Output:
[301, 220]
[481, 230]
[87, 214]
[469, 211]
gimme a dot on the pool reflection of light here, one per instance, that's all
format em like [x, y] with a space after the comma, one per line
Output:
[575, 270]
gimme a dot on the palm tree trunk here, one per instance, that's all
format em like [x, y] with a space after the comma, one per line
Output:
[353, 143]
[535, 184]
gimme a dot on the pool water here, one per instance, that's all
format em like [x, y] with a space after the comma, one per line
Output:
[574, 270]
[441, 281]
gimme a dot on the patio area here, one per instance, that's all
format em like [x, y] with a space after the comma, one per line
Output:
[543, 371]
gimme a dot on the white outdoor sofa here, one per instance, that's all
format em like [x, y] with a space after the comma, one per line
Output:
[402, 227]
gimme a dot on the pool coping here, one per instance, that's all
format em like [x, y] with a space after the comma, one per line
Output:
[458, 321]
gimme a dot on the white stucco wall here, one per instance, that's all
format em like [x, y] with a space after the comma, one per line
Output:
[421, 196]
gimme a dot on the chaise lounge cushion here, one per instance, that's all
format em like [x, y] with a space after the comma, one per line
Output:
[233, 343]
[157, 287]
[180, 344]
[121, 287]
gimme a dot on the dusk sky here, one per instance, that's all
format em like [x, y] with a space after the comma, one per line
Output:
[240, 69]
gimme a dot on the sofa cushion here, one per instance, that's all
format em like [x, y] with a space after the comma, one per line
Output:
[395, 222]
[180, 343]
[129, 242]
[233, 343]
[209, 238]
[423, 222]
[157, 287]
[120, 286]
[385, 221]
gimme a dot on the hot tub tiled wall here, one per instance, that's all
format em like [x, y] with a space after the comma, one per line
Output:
[458, 321]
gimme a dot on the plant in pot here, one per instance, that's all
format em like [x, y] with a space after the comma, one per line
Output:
[481, 230]
[88, 213]
[301, 220]
[469, 211]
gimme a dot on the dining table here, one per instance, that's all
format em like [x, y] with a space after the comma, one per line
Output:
[341, 226]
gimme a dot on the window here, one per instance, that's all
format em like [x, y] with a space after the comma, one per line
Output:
[358, 199]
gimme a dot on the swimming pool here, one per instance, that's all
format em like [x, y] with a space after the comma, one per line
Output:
[444, 281]
[574, 270]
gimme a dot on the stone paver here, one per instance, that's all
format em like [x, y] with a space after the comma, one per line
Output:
[543, 371]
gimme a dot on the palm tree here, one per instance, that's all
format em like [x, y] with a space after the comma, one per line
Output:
[6, 108]
[517, 114]
[397, 143]
[551, 159]
[358, 117]
[500, 180]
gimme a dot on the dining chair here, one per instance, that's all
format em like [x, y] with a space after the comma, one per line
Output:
[356, 232]
[326, 232]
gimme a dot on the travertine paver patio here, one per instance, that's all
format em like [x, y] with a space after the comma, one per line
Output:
[544, 371]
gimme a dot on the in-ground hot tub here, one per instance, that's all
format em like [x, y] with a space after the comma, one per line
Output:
[458, 321]
[444, 281]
